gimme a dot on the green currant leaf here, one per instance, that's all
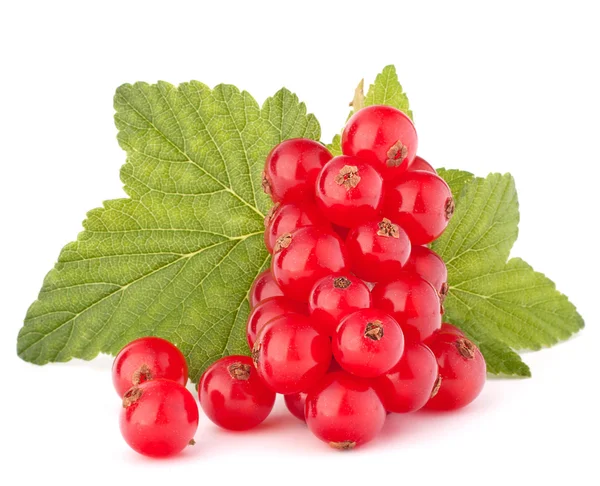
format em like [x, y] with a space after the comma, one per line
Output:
[176, 259]
[503, 306]
[387, 90]
[335, 147]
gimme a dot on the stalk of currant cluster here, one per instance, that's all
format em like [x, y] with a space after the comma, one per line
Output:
[347, 322]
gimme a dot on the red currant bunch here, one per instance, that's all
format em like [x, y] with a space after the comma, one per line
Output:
[347, 321]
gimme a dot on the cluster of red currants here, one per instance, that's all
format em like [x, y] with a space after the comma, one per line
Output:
[347, 323]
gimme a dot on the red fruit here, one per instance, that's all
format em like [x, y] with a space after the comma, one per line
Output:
[145, 359]
[264, 286]
[462, 372]
[344, 411]
[305, 256]
[267, 310]
[290, 355]
[421, 164]
[287, 218]
[233, 396]
[429, 265]
[377, 250]
[382, 136]
[295, 404]
[333, 297]
[413, 302]
[349, 191]
[421, 203]
[368, 343]
[448, 328]
[291, 170]
[159, 418]
[408, 385]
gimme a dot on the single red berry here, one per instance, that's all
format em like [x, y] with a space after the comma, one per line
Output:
[462, 372]
[408, 385]
[145, 359]
[448, 328]
[349, 191]
[421, 164]
[233, 396]
[420, 202]
[333, 297]
[413, 302]
[382, 136]
[264, 287]
[269, 309]
[429, 265]
[303, 257]
[377, 250]
[287, 218]
[295, 404]
[290, 355]
[291, 170]
[368, 343]
[159, 418]
[344, 411]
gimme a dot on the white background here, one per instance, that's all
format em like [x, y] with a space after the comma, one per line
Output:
[509, 88]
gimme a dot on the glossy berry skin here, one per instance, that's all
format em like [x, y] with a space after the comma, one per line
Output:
[290, 355]
[382, 136]
[413, 302]
[148, 358]
[377, 250]
[421, 164]
[407, 386]
[295, 404]
[448, 328]
[287, 218]
[462, 372]
[269, 309]
[421, 203]
[368, 343]
[159, 418]
[264, 287]
[305, 256]
[344, 411]
[429, 265]
[349, 191]
[335, 296]
[233, 396]
[291, 170]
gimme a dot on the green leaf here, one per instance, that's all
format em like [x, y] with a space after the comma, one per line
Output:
[177, 258]
[335, 147]
[501, 306]
[387, 90]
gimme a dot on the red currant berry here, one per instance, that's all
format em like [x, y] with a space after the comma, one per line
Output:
[291, 169]
[368, 343]
[429, 265]
[290, 355]
[287, 218]
[270, 309]
[295, 404]
[303, 257]
[408, 385]
[462, 372]
[349, 191]
[420, 202]
[413, 302]
[377, 250]
[421, 164]
[448, 328]
[264, 287]
[333, 297]
[382, 136]
[145, 359]
[159, 418]
[344, 411]
[233, 396]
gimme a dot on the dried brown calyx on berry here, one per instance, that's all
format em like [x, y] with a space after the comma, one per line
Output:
[239, 371]
[449, 208]
[270, 214]
[388, 229]
[396, 154]
[348, 177]
[341, 283]
[436, 386]
[131, 396]
[141, 375]
[465, 348]
[266, 184]
[344, 445]
[374, 330]
[282, 242]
